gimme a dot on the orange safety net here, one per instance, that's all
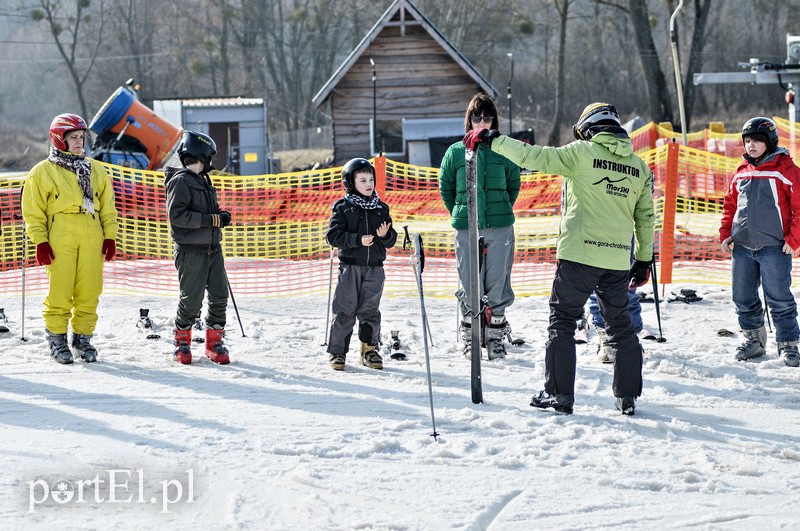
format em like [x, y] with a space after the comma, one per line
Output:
[276, 245]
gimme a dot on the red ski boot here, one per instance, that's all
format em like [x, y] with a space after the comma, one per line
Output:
[215, 349]
[183, 352]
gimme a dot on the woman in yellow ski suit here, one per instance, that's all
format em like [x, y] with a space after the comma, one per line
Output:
[69, 212]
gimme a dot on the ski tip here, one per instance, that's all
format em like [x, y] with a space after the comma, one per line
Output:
[399, 356]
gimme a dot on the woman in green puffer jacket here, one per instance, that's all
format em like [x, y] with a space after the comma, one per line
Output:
[498, 188]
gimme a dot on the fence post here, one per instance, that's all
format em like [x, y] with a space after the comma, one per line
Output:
[667, 252]
[380, 177]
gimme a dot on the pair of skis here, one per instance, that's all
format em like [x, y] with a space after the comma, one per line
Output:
[477, 303]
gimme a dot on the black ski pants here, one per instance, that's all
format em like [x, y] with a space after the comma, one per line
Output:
[199, 272]
[572, 285]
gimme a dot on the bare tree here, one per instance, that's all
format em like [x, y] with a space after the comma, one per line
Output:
[695, 65]
[562, 7]
[657, 93]
[68, 36]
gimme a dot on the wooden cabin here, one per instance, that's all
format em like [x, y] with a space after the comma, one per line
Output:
[403, 73]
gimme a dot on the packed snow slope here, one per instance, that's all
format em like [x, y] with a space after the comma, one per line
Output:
[278, 440]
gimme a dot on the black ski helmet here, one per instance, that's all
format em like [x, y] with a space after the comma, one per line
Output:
[598, 113]
[350, 169]
[199, 146]
[762, 126]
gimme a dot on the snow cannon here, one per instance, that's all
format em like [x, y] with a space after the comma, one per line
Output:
[130, 134]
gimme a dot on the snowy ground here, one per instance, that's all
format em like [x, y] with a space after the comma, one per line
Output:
[277, 440]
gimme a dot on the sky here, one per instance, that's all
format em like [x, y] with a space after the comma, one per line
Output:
[278, 440]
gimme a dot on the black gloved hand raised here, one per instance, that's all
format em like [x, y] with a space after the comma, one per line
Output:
[640, 273]
[224, 218]
[488, 135]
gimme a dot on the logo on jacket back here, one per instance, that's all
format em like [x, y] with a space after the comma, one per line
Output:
[612, 188]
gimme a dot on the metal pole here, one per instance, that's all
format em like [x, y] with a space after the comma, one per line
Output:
[24, 259]
[508, 94]
[267, 158]
[236, 308]
[374, 108]
[330, 289]
[676, 63]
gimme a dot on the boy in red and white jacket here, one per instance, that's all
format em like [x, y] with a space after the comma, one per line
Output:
[761, 228]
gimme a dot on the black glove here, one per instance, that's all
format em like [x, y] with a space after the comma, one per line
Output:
[224, 218]
[488, 135]
[640, 273]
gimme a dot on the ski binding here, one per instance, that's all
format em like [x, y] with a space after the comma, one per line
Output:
[397, 347]
[145, 324]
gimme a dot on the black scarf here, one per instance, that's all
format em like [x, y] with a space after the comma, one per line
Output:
[81, 167]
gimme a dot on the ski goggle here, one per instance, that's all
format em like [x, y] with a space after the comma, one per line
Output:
[478, 119]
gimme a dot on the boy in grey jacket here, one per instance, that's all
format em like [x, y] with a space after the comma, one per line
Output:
[195, 223]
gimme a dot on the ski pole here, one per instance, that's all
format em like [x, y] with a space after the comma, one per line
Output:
[24, 259]
[330, 288]
[407, 246]
[661, 338]
[235, 308]
[418, 263]
[766, 312]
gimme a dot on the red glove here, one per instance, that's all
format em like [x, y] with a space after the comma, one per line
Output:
[44, 254]
[472, 139]
[109, 249]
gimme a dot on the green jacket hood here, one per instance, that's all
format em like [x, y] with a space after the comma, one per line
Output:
[622, 147]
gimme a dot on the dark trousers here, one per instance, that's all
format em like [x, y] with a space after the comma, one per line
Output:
[199, 272]
[357, 296]
[571, 287]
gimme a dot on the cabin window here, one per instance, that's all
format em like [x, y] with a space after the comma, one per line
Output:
[388, 139]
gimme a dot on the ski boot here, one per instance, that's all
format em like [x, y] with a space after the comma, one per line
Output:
[183, 352]
[336, 361]
[753, 346]
[605, 354]
[3, 321]
[215, 348]
[59, 349]
[560, 403]
[788, 350]
[81, 346]
[465, 332]
[626, 404]
[495, 333]
[370, 357]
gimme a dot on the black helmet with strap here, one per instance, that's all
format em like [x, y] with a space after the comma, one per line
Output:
[764, 127]
[199, 146]
[352, 167]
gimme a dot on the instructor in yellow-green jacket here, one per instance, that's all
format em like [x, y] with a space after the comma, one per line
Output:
[69, 212]
[607, 196]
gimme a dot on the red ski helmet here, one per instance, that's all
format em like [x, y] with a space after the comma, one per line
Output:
[63, 124]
